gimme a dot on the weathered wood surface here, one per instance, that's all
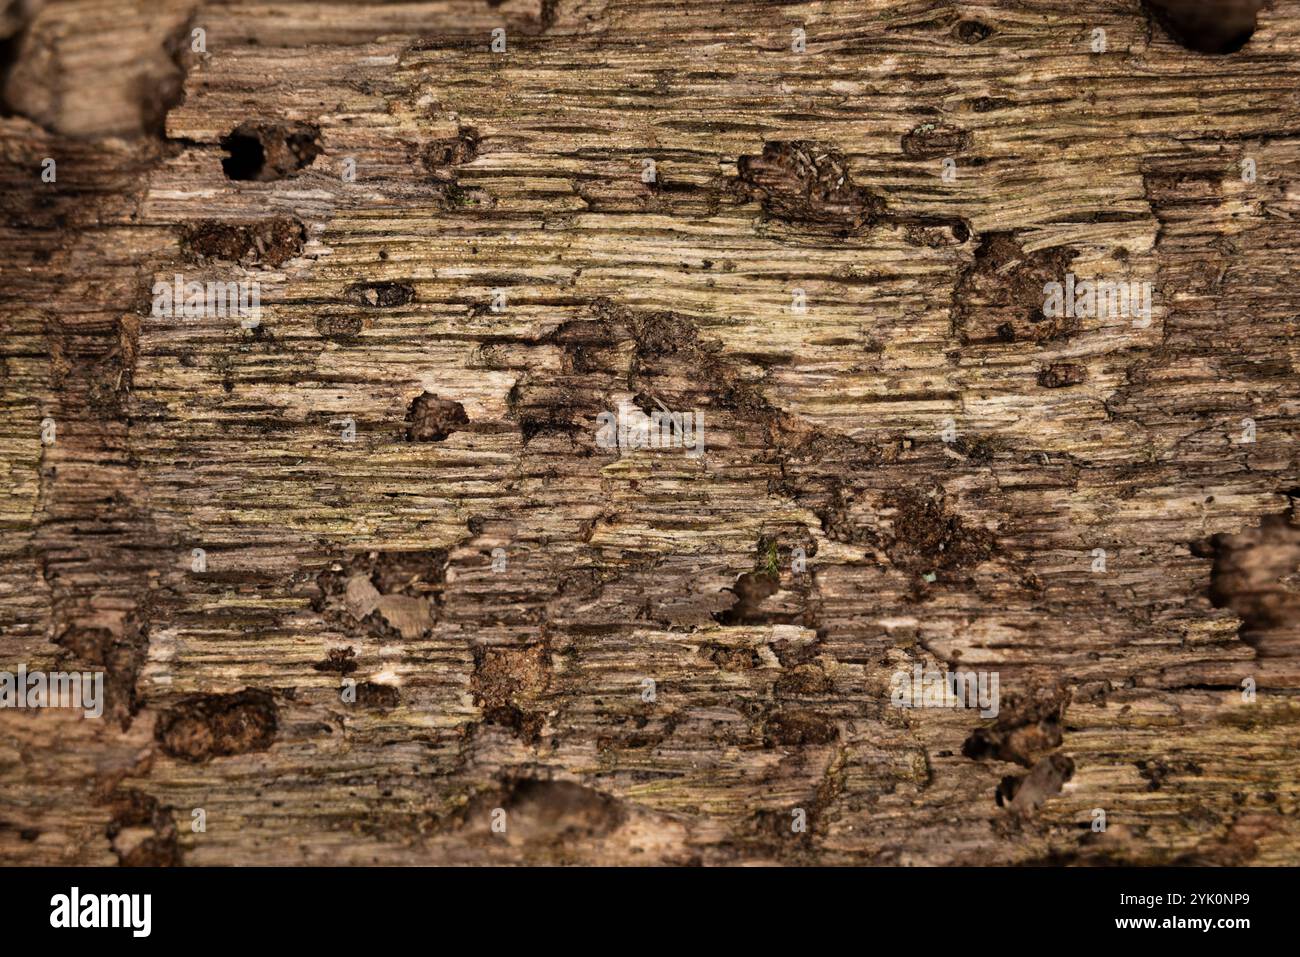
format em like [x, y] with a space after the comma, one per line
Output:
[522, 688]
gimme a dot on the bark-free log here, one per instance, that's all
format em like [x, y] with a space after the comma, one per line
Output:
[426, 591]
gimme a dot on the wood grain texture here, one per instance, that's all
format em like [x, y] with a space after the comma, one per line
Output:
[521, 688]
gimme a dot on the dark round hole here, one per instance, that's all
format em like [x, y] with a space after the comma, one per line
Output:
[246, 157]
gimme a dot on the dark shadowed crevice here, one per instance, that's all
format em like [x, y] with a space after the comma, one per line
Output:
[8, 56]
[1207, 26]
[15, 24]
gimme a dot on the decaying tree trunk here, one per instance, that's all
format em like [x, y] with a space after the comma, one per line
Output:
[426, 590]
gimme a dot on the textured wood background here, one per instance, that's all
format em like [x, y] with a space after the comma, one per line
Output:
[521, 688]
